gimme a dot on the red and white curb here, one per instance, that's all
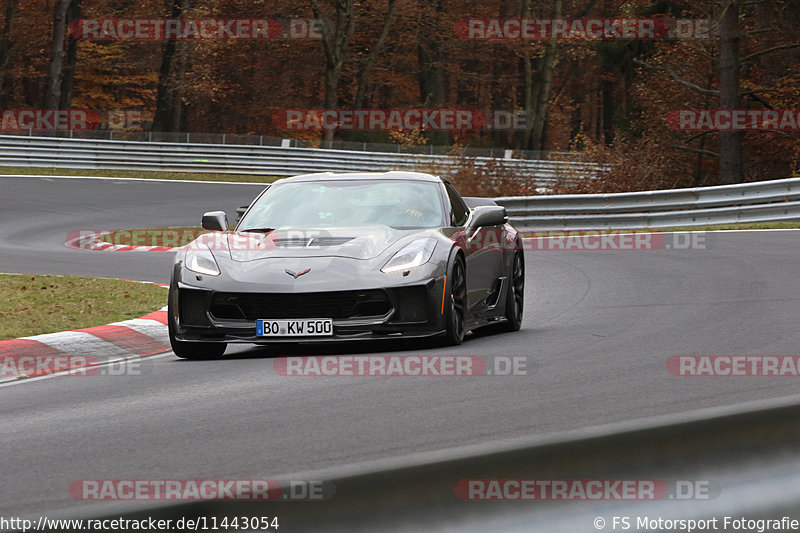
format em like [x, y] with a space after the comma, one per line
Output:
[102, 246]
[84, 349]
[90, 240]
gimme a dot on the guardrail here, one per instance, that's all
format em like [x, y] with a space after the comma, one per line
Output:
[744, 459]
[763, 201]
[163, 137]
[252, 159]
[766, 201]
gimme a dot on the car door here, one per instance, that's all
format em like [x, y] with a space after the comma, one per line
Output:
[482, 251]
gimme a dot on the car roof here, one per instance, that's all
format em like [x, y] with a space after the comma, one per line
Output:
[392, 175]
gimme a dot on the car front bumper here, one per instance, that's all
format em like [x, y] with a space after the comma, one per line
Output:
[204, 315]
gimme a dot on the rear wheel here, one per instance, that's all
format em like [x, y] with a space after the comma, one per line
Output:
[515, 296]
[190, 350]
[456, 304]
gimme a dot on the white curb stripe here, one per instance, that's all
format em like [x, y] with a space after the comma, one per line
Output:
[81, 343]
[146, 326]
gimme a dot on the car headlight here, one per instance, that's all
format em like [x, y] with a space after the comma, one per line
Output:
[411, 255]
[202, 261]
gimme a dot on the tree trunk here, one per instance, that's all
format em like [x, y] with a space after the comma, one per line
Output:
[67, 82]
[609, 109]
[6, 43]
[432, 78]
[527, 81]
[731, 169]
[55, 72]
[335, 42]
[169, 95]
[366, 68]
[544, 86]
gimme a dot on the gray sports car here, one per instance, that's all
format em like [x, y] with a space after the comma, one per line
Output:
[346, 257]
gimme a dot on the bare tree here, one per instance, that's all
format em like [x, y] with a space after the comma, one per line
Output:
[5, 40]
[68, 68]
[55, 74]
[729, 93]
[335, 41]
[372, 55]
[169, 94]
[432, 77]
[538, 87]
[731, 169]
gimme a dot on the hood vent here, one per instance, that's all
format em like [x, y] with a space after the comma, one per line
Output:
[310, 242]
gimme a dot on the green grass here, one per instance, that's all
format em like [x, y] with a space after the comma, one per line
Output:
[142, 174]
[37, 304]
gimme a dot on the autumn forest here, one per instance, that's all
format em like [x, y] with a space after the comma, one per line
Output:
[615, 99]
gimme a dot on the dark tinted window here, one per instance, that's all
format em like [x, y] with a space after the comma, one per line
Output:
[347, 204]
[460, 212]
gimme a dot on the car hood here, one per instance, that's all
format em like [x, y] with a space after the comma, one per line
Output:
[353, 243]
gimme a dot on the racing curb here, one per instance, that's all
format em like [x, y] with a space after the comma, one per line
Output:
[84, 349]
[90, 241]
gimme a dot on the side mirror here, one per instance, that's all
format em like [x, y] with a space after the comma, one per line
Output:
[488, 215]
[215, 221]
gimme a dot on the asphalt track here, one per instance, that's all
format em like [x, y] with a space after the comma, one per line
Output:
[599, 327]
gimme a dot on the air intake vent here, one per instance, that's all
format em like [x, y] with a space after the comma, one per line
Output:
[337, 305]
[310, 242]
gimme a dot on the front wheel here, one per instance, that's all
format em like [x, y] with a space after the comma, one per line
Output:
[456, 304]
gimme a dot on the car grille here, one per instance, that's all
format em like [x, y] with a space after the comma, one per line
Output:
[337, 305]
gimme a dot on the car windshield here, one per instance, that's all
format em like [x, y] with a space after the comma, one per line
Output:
[346, 204]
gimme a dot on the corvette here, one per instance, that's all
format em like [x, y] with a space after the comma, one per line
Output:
[347, 257]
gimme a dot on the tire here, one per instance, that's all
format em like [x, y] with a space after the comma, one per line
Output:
[455, 319]
[190, 350]
[515, 295]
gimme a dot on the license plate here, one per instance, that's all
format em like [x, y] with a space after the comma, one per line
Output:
[306, 327]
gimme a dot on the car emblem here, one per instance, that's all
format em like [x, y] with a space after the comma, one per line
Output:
[298, 274]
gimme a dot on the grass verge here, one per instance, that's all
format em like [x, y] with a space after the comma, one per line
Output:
[142, 174]
[46, 304]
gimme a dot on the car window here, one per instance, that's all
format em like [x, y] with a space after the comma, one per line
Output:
[347, 203]
[459, 210]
